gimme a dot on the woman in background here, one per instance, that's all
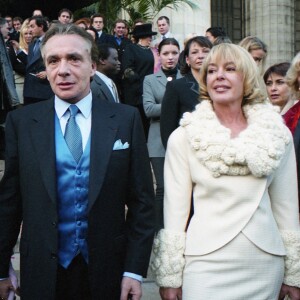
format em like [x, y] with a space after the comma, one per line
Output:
[182, 95]
[277, 88]
[153, 93]
[257, 49]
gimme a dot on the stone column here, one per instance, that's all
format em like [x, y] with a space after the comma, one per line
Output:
[273, 22]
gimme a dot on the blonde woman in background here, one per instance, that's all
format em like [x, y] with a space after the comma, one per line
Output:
[21, 50]
[257, 49]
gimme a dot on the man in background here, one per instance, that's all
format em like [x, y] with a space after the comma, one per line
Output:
[65, 16]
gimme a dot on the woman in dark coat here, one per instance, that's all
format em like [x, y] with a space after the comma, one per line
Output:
[182, 95]
[138, 62]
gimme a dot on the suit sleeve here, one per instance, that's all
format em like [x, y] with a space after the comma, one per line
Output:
[10, 199]
[140, 215]
[151, 107]
[169, 119]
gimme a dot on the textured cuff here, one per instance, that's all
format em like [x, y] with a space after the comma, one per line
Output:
[168, 262]
[291, 240]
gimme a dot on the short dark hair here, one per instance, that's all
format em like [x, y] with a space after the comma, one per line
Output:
[104, 50]
[18, 19]
[279, 69]
[40, 21]
[201, 41]
[97, 16]
[65, 10]
[70, 29]
[222, 39]
[216, 31]
[2, 21]
[162, 18]
[168, 41]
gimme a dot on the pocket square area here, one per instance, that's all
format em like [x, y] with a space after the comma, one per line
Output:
[118, 145]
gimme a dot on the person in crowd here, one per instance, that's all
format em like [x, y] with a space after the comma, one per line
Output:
[136, 23]
[222, 39]
[292, 116]
[163, 26]
[83, 23]
[17, 23]
[97, 21]
[126, 30]
[108, 65]
[138, 62]
[8, 95]
[72, 163]
[93, 32]
[36, 85]
[182, 95]
[213, 33]
[64, 16]
[257, 48]
[22, 46]
[243, 239]
[37, 12]
[278, 90]
[181, 61]
[153, 92]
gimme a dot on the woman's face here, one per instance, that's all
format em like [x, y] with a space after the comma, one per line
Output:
[169, 55]
[224, 83]
[27, 36]
[145, 41]
[196, 56]
[258, 55]
[277, 89]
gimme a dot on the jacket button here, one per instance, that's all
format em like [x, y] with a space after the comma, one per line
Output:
[54, 224]
[53, 255]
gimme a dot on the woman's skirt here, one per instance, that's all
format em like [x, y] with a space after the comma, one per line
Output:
[238, 271]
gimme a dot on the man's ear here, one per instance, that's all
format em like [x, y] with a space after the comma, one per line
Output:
[102, 61]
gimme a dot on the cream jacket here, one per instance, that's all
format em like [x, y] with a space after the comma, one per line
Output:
[227, 205]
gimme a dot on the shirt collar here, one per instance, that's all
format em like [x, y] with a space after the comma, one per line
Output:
[105, 78]
[84, 105]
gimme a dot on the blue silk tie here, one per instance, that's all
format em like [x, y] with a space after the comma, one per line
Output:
[73, 134]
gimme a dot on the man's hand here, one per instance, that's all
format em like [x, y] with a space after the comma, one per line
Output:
[41, 75]
[291, 291]
[5, 287]
[170, 293]
[130, 289]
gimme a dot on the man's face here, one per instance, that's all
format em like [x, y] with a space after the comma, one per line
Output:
[119, 29]
[37, 12]
[163, 26]
[98, 23]
[17, 25]
[64, 18]
[69, 66]
[9, 22]
[111, 65]
[4, 30]
[35, 30]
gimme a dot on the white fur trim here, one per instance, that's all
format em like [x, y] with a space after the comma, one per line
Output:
[168, 262]
[291, 240]
[257, 150]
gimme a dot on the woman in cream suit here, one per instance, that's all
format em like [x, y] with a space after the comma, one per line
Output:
[236, 156]
[153, 92]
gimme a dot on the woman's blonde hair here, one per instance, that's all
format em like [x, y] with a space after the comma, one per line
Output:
[254, 43]
[24, 28]
[292, 75]
[244, 63]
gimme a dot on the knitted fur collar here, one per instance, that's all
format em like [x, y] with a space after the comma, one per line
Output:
[257, 150]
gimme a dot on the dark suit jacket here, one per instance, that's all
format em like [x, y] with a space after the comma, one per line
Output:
[33, 86]
[101, 90]
[182, 95]
[104, 39]
[119, 177]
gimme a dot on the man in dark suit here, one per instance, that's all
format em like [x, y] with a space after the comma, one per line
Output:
[108, 65]
[36, 85]
[72, 164]
[97, 21]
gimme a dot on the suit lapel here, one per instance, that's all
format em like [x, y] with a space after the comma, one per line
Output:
[104, 89]
[161, 78]
[194, 86]
[103, 134]
[43, 139]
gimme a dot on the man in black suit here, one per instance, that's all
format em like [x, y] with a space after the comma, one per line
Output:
[36, 85]
[72, 164]
[98, 24]
[108, 66]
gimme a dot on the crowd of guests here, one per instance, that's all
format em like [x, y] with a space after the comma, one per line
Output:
[222, 160]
